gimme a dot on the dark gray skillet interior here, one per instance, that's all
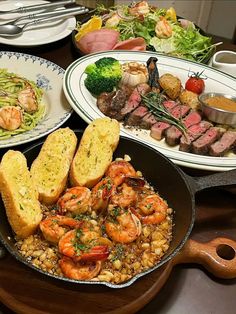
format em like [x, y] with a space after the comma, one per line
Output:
[172, 184]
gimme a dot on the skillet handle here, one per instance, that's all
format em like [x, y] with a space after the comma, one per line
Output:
[220, 179]
[217, 256]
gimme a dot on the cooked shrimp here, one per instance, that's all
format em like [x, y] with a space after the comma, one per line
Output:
[125, 196]
[163, 28]
[10, 118]
[79, 270]
[119, 170]
[113, 21]
[83, 244]
[121, 225]
[152, 209]
[27, 99]
[140, 8]
[101, 194]
[54, 227]
[76, 200]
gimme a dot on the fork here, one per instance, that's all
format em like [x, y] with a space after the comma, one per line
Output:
[46, 14]
[36, 7]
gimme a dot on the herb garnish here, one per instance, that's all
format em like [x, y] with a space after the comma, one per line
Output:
[154, 102]
[119, 252]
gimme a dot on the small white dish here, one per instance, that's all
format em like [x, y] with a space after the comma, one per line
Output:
[85, 104]
[225, 61]
[48, 76]
[39, 34]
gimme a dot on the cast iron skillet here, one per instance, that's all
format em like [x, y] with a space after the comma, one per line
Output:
[169, 180]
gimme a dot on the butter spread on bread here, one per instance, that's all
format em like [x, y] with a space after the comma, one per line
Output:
[95, 152]
[51, 168]
[19, 194]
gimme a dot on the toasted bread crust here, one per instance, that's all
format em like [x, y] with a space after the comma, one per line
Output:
[95, 151]
[19, 194]
[51, 168]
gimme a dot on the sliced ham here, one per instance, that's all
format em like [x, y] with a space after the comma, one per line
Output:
[108, 39]
[98, 40]
[131, 44]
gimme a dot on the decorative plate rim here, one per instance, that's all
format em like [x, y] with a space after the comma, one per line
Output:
[40, 130]
[81, 105]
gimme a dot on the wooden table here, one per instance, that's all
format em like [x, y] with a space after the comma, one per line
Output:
[189, 289]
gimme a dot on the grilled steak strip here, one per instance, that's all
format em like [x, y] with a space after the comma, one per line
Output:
[147, 121]
[224, 144]
[158, 130]
[173, 134]
[135, 117]
[202, 144]
[111, 104]
[135, 98]
[193, 133]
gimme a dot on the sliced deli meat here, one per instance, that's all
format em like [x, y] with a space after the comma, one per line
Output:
[98, 40]
[108, 39]
[137, 44]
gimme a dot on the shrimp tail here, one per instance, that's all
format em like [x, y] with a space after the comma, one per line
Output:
[97, 253]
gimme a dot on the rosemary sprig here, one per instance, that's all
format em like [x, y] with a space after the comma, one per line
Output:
[154, 102]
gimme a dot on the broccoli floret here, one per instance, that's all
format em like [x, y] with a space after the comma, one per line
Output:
[103, 75]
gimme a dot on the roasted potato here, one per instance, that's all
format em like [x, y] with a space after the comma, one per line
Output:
[190, 99]
[171, 85]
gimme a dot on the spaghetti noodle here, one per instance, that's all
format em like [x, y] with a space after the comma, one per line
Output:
[11, 85]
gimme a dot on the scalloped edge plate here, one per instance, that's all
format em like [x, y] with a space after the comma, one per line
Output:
[47, 75]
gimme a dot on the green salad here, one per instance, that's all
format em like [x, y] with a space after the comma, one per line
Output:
[162, 30]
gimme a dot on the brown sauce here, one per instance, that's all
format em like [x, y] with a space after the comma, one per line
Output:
[221, 102]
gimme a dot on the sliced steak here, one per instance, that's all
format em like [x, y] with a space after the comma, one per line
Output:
[224, 144]
[180, 111]
[111, 104]
[158, 130]
[193, 133]
[169, 104]
[202, 144]
[135, 98]
[173, 134]
[135, 117]
[147, 121]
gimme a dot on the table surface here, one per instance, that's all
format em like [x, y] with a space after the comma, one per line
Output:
[189, 288]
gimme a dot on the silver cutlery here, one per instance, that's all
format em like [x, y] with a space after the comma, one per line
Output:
[10, 30]
[32, 8]
[44, 14]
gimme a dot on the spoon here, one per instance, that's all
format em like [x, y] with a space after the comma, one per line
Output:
[10, 30]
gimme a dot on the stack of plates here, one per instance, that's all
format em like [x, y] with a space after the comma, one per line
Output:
[37, 35]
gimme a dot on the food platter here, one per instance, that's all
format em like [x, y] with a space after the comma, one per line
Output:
[48, 76]
[85, 104]
[36, 35]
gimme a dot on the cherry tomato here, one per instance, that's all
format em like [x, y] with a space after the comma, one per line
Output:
[195, 84]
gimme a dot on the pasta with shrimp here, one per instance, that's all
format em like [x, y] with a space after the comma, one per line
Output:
[20, 104]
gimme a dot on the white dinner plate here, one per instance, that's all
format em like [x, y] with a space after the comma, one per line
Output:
[36, 35]
[85, 104]
[48, 76]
